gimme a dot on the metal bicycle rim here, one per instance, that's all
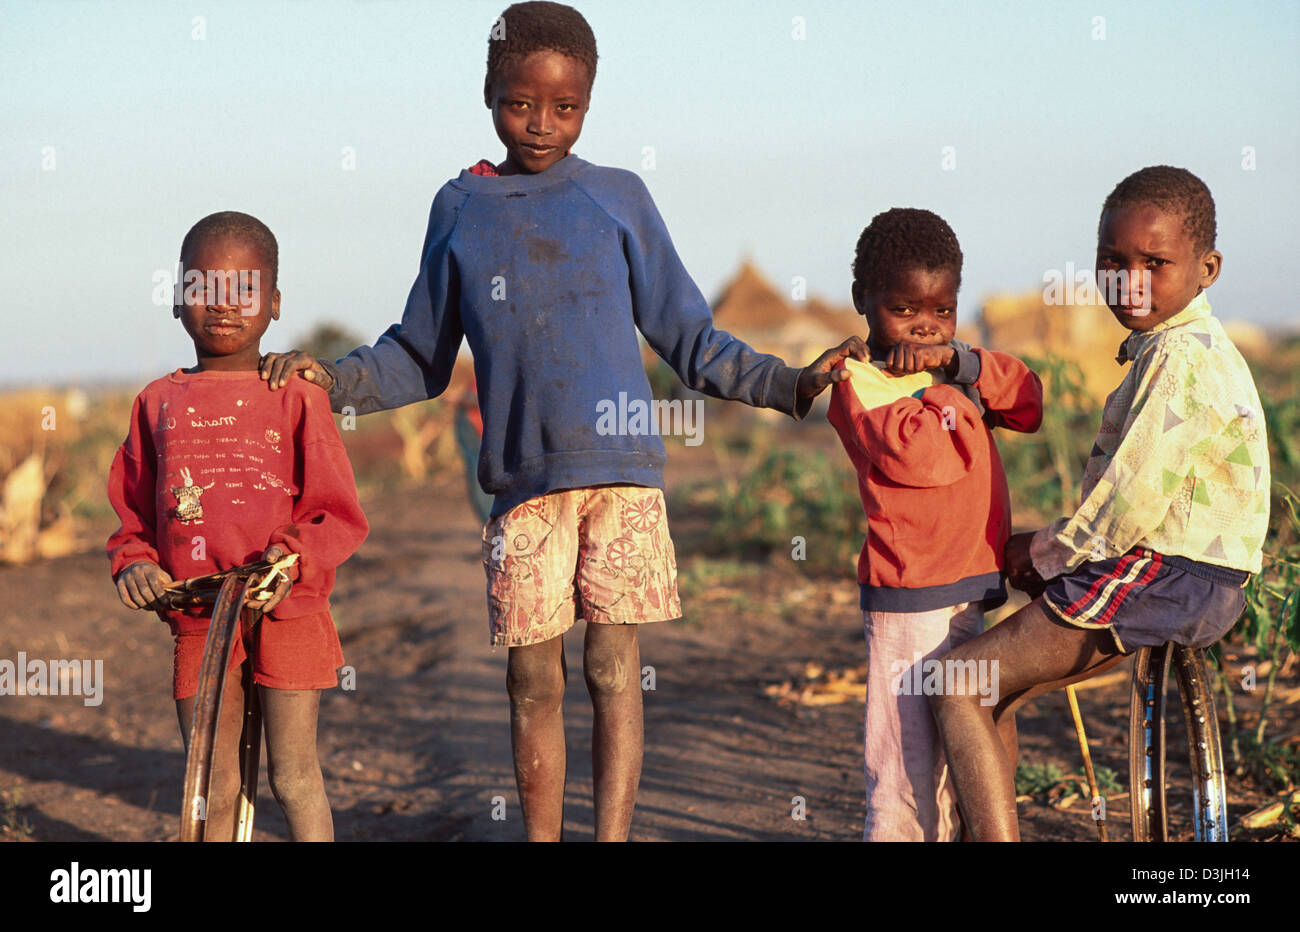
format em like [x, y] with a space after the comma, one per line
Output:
[250, 745]
[207, 706]
[1209, 792]
[1147, 744]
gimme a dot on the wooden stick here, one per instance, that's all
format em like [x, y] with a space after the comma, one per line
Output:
[1108, 680]
[1087, 756]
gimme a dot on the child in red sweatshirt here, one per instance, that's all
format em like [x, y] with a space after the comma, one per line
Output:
[916, 425]
[218, 471]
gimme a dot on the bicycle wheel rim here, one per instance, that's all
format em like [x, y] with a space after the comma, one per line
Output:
[250, 746]
[1209, 790]
[207, 707]
[1147, 708]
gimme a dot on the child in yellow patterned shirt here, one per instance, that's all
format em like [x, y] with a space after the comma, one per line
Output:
[1174, 503]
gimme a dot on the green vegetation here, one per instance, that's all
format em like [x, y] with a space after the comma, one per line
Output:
[11, 823]
[1274, 768]
[792, 493]
[724, 581]
[1037, 779]
[1107, 780]
[1040, 779]
[1043, 469]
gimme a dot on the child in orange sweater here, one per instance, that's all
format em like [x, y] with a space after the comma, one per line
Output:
[916, 425]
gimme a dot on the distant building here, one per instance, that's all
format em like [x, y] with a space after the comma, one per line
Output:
[755, 310]
[1086, 334]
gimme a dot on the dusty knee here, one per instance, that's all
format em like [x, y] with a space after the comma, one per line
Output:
[294, 783]
[533, 685]
[606, 671]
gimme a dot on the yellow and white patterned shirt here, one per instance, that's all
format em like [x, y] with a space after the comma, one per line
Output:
[1180, 465]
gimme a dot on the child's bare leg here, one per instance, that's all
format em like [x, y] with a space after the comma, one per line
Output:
[1033, 654]
[223, 781]
[535, 678]
[1009, 737]
[611, 665]
[292, 765]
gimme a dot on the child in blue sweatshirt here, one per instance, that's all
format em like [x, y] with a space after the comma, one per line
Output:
[549, 265]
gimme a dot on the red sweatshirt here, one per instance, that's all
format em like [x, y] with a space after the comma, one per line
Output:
[932, 483]
[216, 468]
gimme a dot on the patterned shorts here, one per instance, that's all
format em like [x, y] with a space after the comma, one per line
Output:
[600, 553]
[1146, 598]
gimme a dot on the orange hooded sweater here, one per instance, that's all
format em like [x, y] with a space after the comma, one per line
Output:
[931, 481]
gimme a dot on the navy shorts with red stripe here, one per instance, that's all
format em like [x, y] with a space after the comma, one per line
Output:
[1146, 598]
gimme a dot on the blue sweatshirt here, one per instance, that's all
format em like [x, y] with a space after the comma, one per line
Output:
[549, 277]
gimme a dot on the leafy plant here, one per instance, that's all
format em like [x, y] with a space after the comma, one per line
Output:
[792, 493]
[1275, 768]
[10, 821]
[1041, 779]
[1108, 780]
[1037, 779]
[1271, 620]
[1043, 468]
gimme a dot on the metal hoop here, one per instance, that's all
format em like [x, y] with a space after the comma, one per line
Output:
[1147, 745]
[226, 616]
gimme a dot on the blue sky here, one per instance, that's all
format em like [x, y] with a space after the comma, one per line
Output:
[124, 123]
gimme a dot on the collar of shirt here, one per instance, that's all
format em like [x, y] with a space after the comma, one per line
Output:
[1197, 309]
[487, 169]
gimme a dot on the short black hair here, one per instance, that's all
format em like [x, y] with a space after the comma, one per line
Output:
[245, 228]
[538, 26]
[1174, 190]
[904, 238]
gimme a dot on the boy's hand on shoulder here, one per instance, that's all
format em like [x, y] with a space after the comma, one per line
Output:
[273, 553]
[821, 373]
[141, 584]
[906, 358]
[1019, 566]
[278, 368]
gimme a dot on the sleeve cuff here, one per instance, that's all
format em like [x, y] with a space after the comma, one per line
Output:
[968, 367]
[781, 392]
[129, 562]
[333, 371]
[1049, 556]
